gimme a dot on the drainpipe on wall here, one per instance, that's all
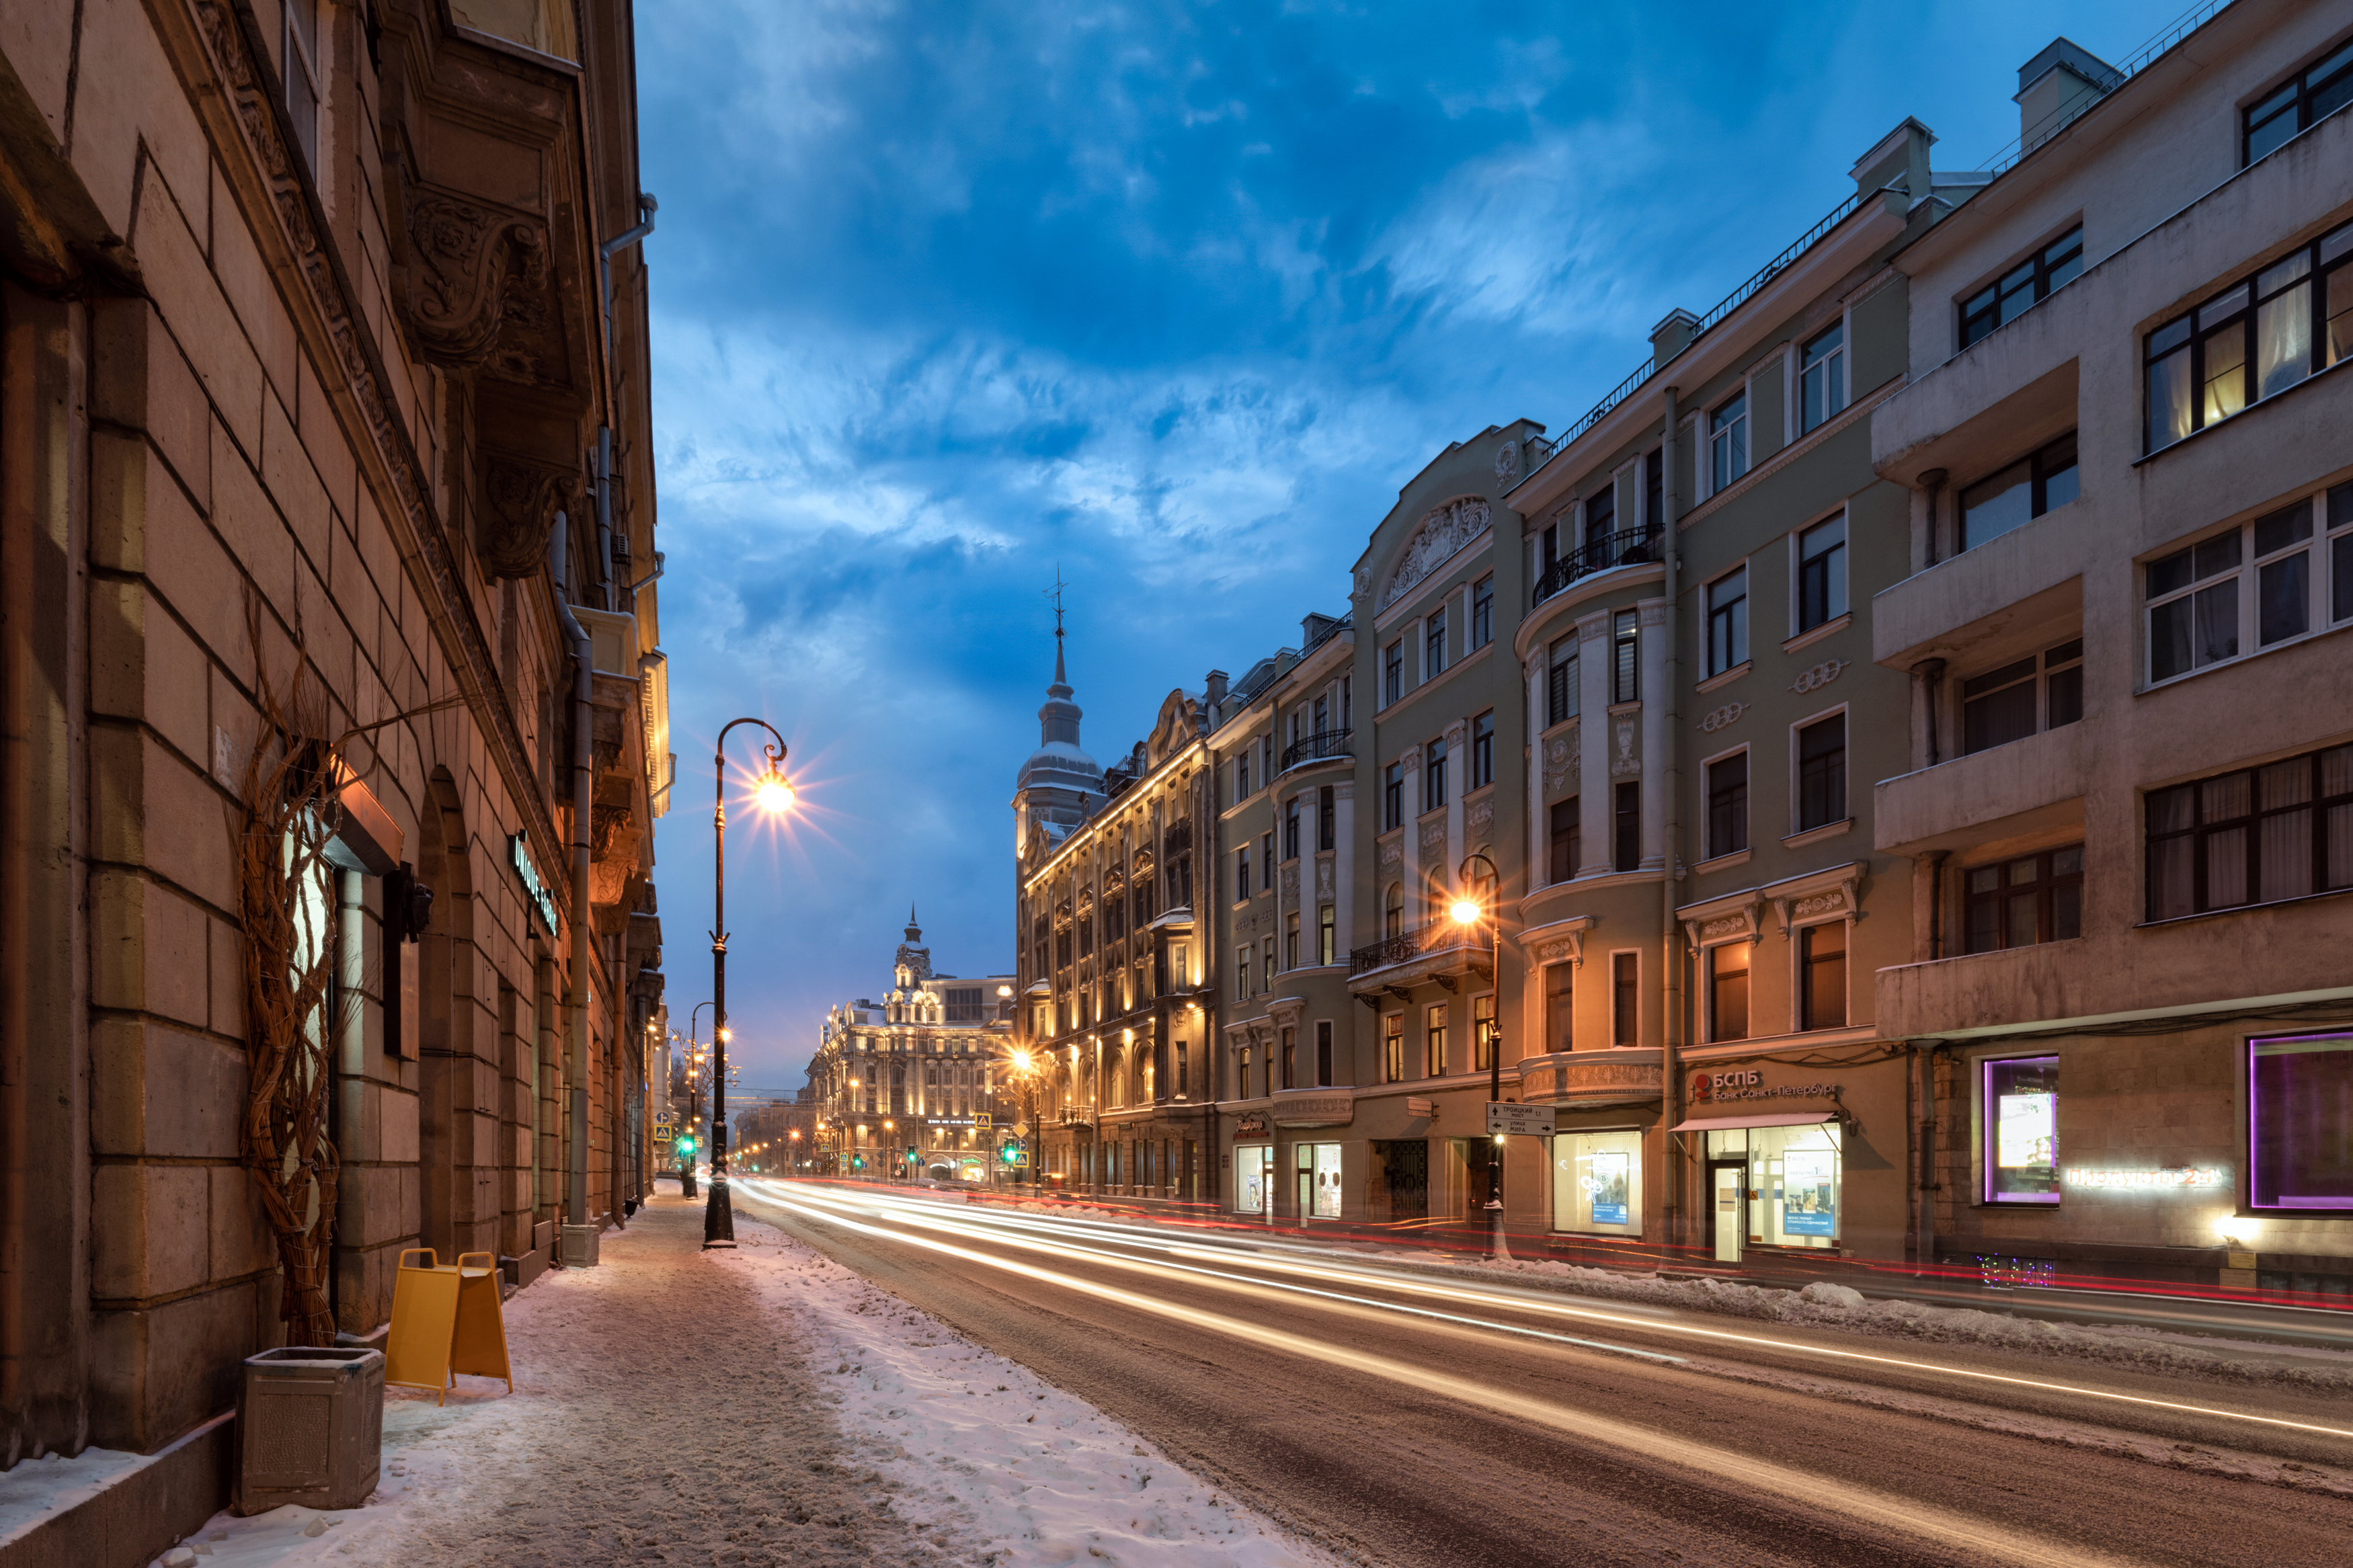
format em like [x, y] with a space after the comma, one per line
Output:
[576, 1067]
[1933, 481]
[1671, 952]
[603, 457]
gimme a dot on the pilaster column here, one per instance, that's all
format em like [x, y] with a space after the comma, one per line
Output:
[1343, 880]
[1593, 742]
[1538, 858]
[1458, 758]
[1653, 659]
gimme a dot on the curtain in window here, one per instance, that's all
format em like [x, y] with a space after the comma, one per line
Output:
[2284, 339]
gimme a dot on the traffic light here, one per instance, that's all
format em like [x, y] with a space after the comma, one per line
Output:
[686, 1145]
[858, 1162]
[1010, 1154]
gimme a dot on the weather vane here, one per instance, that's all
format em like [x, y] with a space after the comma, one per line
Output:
[1054, 594]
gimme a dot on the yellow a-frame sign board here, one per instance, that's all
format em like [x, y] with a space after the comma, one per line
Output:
[445, 1320]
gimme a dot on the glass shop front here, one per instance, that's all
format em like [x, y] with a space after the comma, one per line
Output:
[1596, 1182]
[1776, 1183]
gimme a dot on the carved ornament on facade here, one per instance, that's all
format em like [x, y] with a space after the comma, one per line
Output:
[1411, 761]
[1819, 676]
[1654, 615]
[517, 512]
[1392, 854]
[1722, 718]
[1290, 883]
[1562, 762]
[1443, 532]
[1433, 833]
[1724, 926]
[469, 266]
[1480, 818]
[1819, 904]
[1625, 763]
[1507, 463]
[1324, 878]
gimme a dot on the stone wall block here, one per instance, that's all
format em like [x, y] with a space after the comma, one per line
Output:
[288, 475]
[249, 523]
[159, 1370]
[148, 1231]
[119, 463]
[250, 288]
[241, 1238]
[134, 106]
[148, 950]
[163, 1091]
[323, 438]
[225, 960]
[187, 826]
[396, 1124]
[188, 569]
[192, 307]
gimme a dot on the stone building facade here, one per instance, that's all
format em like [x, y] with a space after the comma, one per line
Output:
[2123, 617]
[310, 388]
[912, 1087]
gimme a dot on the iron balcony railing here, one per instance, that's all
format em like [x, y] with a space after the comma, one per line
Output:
[1436, 936]
[1321, 744]
[1630, 547]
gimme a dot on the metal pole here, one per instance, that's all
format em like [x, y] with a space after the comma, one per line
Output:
[1497, 1246]
[719, 1213]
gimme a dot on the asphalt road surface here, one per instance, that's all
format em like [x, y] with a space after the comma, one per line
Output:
[1403, 1418]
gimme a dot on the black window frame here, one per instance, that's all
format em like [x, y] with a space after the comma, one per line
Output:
[1291, 828]
[2329, 76]
[1815, 963]
[1392, 672]
[1822, 594]
[1433, 775]
[1393, 798]
[2205, 829]
[1719, 985]
[2050, 684]
[1727, 621]
[1326, 819]
[2238, 306]
[1564, 841]
[2054, 463]
[1727, 802]
[1625, 826]
[1482, 612]
[1991, 894]
[1625, 656]
[1560, 681]
[1626, 998]
[1433, 643]
[2037, 278]
[1822, 776]
[1483, 750]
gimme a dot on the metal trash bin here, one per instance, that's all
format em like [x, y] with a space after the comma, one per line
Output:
[310, 1429]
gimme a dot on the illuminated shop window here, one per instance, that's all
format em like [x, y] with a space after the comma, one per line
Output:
[2021, 1131]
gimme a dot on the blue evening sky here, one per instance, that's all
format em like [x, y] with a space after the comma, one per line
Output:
[1175, 297]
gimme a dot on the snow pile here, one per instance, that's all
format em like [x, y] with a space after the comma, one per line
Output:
[1838, 1306]
[1021, 1472]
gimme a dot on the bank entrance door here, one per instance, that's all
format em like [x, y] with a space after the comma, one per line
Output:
[1728, 1215]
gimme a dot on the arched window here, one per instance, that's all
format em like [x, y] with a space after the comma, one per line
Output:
[1393, 911]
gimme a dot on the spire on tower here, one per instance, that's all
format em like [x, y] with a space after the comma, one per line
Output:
[1054, 595]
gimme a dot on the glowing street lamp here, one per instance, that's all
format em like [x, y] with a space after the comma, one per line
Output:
[773, 793]
[1469, 911]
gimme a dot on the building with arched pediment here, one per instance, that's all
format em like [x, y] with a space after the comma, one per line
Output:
[921, 1068]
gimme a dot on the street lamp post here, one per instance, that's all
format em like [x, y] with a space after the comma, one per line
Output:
[1469, 911]
[693, 1126]
[775, 793]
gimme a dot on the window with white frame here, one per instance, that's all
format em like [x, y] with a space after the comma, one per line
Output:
[1625, 662]
[1433, 775]
[1727, 621]
[2283, 575]
[1727, 442]
[1822, 378]
[1821, 573]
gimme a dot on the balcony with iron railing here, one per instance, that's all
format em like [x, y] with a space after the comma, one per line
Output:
[1434, 938]
[1628, 547]
[1318, 747]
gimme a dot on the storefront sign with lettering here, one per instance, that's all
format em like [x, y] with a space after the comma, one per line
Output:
[1744, 1083]
[2158, 1180]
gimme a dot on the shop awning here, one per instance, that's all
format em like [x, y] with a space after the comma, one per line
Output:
[1776, 1119]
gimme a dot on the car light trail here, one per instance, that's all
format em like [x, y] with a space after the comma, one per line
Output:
[1264, 1288]
[1191, 1248]
[1807, 1488]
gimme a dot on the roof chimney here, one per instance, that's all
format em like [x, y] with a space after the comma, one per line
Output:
[1672, 335]
[2056, 86]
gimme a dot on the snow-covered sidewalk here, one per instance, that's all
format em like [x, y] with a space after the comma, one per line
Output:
[760, 1407]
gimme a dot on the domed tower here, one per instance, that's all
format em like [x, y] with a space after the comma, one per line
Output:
[1060, 784]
